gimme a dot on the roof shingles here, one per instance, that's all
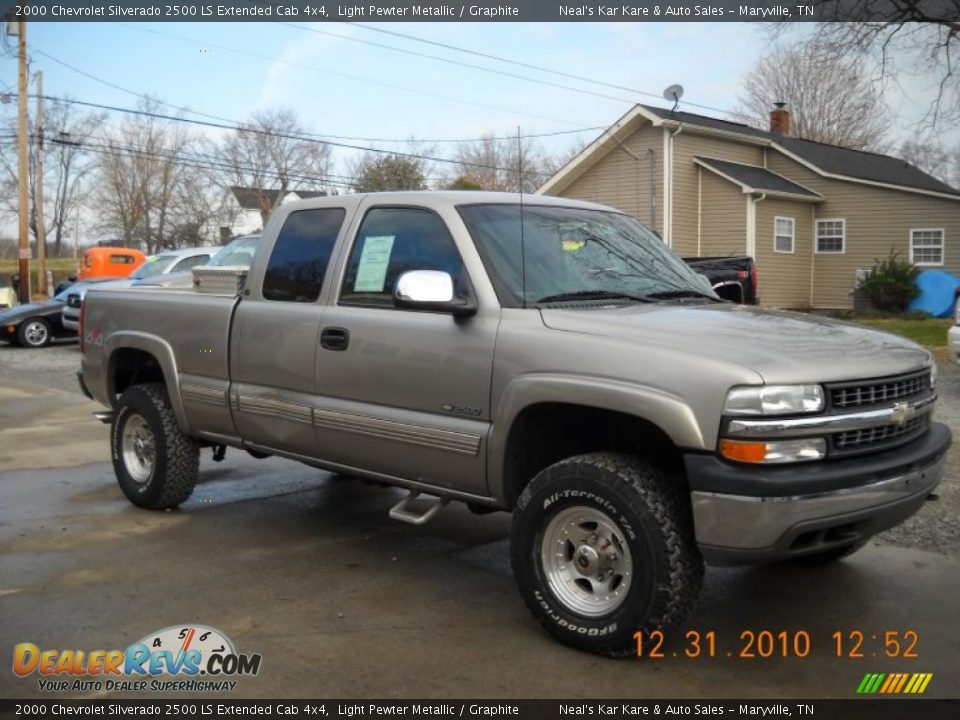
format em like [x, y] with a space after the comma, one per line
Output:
[832, 159]
[757, 178]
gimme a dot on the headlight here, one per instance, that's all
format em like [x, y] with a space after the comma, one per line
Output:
[774, 400]
[933, 375]
[772, 453]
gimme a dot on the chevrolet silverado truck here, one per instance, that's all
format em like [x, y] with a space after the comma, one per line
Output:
[540, 356]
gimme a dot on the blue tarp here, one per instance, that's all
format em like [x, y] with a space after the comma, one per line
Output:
[938, 293]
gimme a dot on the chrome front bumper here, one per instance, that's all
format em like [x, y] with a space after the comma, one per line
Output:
[736, 529]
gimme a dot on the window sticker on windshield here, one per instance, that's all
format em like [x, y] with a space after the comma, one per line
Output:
[372, 271]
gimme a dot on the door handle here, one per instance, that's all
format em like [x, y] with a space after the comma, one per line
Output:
[334, 338]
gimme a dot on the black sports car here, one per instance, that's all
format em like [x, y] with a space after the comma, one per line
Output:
[36, 324]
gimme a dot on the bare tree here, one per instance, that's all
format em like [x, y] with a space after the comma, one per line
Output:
[831, 97]
[154, 188]
[933, 158]
[919, 37]
[494, 163]
[67, 164]
[274, 152]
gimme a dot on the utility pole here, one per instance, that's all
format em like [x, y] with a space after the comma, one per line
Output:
[38, 211]
[24, 200]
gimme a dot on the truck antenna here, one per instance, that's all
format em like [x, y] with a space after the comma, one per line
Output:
[523, 254]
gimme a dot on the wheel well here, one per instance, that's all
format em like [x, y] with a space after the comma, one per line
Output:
[546, 433]
[129, 366]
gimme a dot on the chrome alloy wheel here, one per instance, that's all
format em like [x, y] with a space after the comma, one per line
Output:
[36, 333]
[139, 448]
[586, 561]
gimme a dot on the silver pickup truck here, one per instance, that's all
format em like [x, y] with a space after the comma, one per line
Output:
[539, 356]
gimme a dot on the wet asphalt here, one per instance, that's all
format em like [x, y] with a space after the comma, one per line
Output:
[306, 569]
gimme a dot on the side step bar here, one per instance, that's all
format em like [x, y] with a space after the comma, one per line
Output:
[401, 512]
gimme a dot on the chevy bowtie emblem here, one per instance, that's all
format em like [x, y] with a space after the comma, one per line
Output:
[902, 413]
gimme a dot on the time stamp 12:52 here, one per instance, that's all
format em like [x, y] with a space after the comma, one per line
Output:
[763, 644]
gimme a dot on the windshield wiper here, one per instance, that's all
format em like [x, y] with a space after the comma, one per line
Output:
[594, 295]
[685, 293]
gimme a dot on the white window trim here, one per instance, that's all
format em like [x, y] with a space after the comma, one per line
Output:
[943, 246]
[843, 236]
[793, 235]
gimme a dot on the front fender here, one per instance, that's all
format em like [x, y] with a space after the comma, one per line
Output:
[667, 411]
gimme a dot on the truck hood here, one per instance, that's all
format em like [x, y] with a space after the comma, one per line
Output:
[782, 347]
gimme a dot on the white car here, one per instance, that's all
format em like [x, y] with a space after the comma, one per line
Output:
[166, 263]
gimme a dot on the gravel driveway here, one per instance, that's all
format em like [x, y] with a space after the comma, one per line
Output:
[936, 528]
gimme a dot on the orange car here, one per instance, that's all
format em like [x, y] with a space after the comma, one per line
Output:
[103, 262]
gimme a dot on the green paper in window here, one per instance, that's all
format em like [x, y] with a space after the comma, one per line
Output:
[372, 270]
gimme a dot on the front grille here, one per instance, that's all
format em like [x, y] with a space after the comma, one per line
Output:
[885, 435]
[874, 392]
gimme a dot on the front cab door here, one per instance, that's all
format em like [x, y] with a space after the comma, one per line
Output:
[401, 392]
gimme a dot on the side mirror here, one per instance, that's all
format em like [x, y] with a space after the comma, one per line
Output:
[430, 290]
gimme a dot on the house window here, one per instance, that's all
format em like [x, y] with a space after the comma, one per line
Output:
[783, 235]
[926, 247]
[831, 236]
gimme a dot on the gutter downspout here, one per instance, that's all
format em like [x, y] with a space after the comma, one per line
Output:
[752, 202]
[668, 203]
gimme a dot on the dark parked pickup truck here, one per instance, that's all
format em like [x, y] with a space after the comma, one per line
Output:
[732, 278]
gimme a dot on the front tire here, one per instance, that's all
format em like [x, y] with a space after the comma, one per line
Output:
[155, 463]
[602, 546]
[34, 333]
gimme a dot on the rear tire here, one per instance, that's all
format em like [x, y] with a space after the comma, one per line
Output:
[34, 333]
[602, 546]
[155, 463]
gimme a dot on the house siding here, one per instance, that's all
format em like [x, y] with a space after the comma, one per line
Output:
[784, 278]
[878, 220]
[723, 217]
[619, 180]
[686, 146]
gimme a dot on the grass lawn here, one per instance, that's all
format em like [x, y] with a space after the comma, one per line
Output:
[60, 267]
[927, 331]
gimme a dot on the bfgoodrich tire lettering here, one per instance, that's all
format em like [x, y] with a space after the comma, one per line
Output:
[651, 520]
[175, 463]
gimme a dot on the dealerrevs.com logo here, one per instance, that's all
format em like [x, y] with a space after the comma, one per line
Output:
[189, 657]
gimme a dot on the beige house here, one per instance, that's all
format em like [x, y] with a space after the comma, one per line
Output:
[813, 216]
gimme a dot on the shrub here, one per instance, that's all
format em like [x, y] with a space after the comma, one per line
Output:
[891, 284]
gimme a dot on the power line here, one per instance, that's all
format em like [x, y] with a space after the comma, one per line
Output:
[531, 66]
[503, 73]
[348, 76]
[268, 133]
[186, 109]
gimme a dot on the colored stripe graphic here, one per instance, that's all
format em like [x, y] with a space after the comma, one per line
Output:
[894, 683]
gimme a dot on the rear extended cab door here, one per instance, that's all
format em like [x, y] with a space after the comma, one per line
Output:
[274, 337]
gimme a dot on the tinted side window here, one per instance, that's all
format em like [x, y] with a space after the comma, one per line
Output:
[301, 254]
[392, 241]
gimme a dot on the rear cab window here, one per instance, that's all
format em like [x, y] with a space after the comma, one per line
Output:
[395, 240]
[299, 259]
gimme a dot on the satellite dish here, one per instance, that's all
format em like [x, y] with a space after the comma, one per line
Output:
[674, 93]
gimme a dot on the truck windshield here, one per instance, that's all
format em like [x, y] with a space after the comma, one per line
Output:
[573, 253]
